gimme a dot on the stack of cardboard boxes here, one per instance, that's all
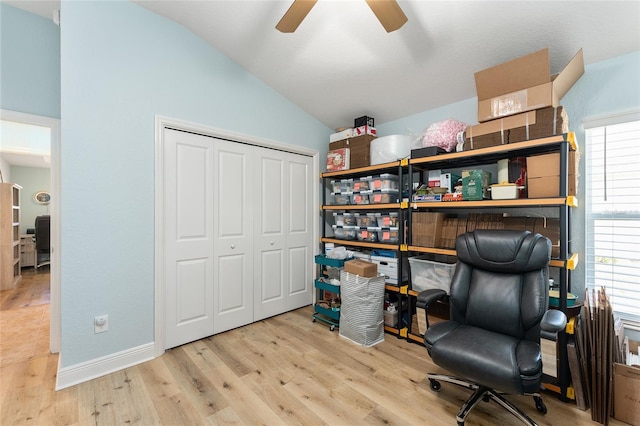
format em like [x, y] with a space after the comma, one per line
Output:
[518, 101]
[352, 144]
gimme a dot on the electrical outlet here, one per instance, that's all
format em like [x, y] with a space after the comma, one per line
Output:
[101, 324]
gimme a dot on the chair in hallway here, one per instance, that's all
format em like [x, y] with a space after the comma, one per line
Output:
[43, 241]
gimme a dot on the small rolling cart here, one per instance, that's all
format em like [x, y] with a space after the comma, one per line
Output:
[327, 284]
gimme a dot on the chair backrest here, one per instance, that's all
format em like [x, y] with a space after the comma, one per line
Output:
[501, 281]
[43, 233]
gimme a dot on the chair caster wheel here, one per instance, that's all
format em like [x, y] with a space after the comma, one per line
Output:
[434, 385]
[333, 327]
[540, 405]
[313, 319]
[486, 398]
[460, 423]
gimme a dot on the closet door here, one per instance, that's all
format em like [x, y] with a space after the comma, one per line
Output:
[300, 231]
[283, 271]
[234, 208]
[188, 242]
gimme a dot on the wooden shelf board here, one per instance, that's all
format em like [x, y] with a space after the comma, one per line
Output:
[395, 247]
[363, 206]
[498, 149]
[361, 170]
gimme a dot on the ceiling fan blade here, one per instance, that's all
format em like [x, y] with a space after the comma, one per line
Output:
[294, 16]
[388, 13]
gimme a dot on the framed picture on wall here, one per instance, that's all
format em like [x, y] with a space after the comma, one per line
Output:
[42, 197]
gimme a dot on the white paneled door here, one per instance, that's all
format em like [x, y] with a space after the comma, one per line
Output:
[283, 223]
[238, 234]
[233, 230]
[188, 245]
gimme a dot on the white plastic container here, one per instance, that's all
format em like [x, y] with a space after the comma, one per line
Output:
[390, 148]
[504, 191]
[428, 274]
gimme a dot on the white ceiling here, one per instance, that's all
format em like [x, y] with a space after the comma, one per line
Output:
[25, 145]
[341, 64]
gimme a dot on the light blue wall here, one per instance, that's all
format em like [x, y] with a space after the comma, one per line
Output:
[122, 65]
[32, 180]
[607, 87]
[114, 82]
[29, 63]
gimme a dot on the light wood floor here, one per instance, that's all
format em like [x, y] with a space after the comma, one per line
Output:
[284, 370]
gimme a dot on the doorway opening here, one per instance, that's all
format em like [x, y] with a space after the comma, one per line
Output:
[25, 154]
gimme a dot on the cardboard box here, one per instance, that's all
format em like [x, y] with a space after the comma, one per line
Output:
[495, 132]
[365, 130]
[547, 122]
[388, 266]
[338, 136]
[549, 228]
[434, 178]
[361, 267]
[449, 181]
[537, 124]
[626, 393]
[475, 184]
[524, 84]
[360, 147]
[543, 175]
[426, 228]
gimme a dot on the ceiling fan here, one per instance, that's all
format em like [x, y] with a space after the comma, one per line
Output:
[388, 13]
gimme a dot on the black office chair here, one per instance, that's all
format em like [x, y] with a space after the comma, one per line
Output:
[43, 240]
[498, 301]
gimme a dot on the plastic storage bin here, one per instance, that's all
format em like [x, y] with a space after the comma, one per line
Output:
[361, 197]
[369, 235]
[387, 220]
[365, 220]
[429, 274]
[384, 181]
[344, 219]
[343, 185]
[385, 196]
[391, 236]
[362, 184]
[341, 198]
[344, 232]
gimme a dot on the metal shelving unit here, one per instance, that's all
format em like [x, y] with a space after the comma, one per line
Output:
[397, 168]
[564, 203]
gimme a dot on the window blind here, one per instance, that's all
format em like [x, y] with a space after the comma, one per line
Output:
[613, 214]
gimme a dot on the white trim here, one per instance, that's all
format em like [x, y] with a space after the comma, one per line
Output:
[162, 123]
[89, 370]
[609, 120]
[55, 336]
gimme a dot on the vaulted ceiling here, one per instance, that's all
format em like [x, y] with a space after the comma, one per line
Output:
[340, 63]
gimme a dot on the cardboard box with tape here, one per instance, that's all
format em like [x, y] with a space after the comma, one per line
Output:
[524, 84]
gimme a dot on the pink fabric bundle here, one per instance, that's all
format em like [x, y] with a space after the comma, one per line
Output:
[444, 134]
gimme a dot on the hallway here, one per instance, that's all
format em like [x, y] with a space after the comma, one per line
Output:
[24, 318]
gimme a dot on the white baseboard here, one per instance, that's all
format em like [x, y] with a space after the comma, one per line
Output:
[88, 370]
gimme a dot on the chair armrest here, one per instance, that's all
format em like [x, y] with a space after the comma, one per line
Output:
[426, 297]
[553, 321]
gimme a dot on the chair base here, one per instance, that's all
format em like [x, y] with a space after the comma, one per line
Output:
[486, 394]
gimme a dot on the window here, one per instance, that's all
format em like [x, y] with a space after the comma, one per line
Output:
[613, 212]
